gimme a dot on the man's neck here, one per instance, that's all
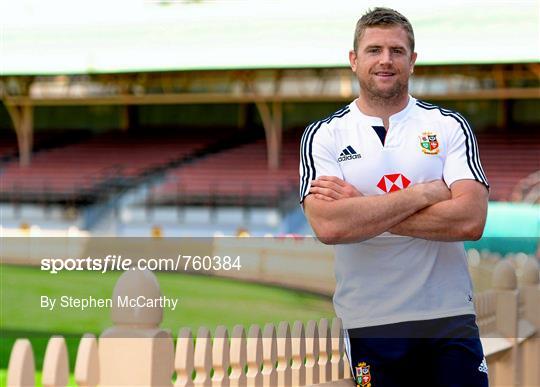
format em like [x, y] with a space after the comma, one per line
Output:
[382, 108]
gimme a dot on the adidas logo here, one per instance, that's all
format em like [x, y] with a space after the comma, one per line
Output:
[483, 366]
[348, 154]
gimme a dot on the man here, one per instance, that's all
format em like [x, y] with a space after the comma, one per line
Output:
[396, 183]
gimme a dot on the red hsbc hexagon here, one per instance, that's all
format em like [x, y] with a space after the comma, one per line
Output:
[393, 182]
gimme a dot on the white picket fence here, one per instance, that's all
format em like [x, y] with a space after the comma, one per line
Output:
[135, 351]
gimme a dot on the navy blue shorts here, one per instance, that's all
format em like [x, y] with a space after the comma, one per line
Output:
[444, 352]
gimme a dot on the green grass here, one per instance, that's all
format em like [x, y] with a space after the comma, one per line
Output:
[208, 301]
[3, 378]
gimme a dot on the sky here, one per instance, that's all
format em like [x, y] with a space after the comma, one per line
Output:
[129, 35]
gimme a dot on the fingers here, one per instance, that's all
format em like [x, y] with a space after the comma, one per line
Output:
[343, 188]
[323, 197]
[327, 184]
[334, 188]
[436, 191]
[333, 179]
[327, 192]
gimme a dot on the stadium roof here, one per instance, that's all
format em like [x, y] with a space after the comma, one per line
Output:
[76, 37]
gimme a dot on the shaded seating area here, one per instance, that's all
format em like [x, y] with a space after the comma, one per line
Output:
[43, 139]
[201, 168]
[90, 169]
[507, 159]
[238, 176]
[8, 147]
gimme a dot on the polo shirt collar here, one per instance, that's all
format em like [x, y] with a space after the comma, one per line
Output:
[377, 120]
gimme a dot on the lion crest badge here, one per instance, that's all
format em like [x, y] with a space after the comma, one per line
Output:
[363, 375]
[429, 143]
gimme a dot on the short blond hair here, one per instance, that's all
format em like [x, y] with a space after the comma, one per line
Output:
[382, 17]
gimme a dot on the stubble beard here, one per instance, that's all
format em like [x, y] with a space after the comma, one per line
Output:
[387, 97]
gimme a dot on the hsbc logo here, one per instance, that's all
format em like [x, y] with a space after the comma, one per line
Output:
[393, 182]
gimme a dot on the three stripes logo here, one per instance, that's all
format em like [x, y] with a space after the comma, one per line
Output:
[483, 367]
[348, 154]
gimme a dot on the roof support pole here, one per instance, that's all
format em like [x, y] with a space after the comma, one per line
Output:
[124, 118]
[272, 120]
[502, 108]
[242, 115]
[502, 113]
[23, 122]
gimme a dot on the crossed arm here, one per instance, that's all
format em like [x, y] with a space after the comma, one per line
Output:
[339, 213]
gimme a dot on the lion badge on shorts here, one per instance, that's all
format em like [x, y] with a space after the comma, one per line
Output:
[429, 143]
[363, 375]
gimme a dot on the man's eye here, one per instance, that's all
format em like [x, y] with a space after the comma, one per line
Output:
[373, 50]
[398, 51]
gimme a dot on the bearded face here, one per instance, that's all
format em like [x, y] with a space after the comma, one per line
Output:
[383, 62]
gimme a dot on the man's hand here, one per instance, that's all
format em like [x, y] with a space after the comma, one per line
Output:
[434, 191]
[339, 213]
[461, 217]
[332, 188]
[456, 225]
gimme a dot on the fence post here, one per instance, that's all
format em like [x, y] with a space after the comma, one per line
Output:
[135, 351]
[183, 360]
[507, 301]
[220, 357]
[21, 368]
[269, 359]
[284, 354]
[530, 289]
[55, 365]
[325, 350]
[254, 356]
[298, 345]
[87, 363]
[203, 358]
[336, 360]
[312, 353]
[238, 357]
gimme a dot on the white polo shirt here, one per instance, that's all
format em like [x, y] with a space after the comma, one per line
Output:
[391, 278]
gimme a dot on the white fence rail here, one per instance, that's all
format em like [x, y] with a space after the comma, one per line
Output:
[135, 351]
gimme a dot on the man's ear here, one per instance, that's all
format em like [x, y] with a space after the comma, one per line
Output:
[414, 55]
[352, 60]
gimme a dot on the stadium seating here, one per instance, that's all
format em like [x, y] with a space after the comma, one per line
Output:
[240, 176]
[8, 146]
[80, 171]
[196, 175]
[528, 189]
[237, 176]
[508, 158]
[43, 139]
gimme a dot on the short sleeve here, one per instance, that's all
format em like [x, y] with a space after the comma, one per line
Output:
[462, 158]
[317, 157]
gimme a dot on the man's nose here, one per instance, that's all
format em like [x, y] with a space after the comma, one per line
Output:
[385, 57]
